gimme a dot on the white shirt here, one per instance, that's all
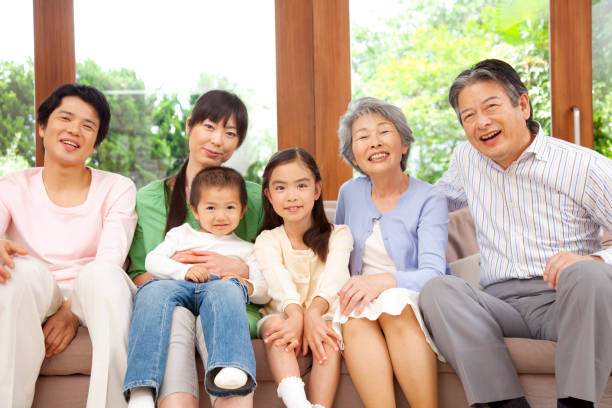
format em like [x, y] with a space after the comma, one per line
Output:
[553, 198]
[184, 237]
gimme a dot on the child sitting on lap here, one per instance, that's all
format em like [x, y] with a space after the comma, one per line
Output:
[218, 200]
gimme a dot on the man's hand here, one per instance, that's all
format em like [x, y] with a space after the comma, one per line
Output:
[289, 333]
[198, 274]
[60, 329]
[557, 263]
[317, 331]
[360, 290]
[217, 264]
[8, 249]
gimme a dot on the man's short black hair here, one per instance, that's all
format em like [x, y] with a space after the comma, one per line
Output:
[88, 94]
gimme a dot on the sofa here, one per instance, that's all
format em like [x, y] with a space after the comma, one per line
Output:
[64, 378]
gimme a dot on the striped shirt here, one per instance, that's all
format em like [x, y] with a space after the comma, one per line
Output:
[554, 197]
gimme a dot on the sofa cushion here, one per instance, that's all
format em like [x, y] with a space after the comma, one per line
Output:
[76, 359]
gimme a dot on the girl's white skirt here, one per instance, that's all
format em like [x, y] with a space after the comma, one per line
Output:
[391, 301]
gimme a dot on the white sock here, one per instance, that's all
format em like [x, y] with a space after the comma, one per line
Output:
[230, 378]
[141, 397]
[291, 391]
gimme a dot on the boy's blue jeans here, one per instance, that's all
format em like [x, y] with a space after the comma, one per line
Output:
[220, 304]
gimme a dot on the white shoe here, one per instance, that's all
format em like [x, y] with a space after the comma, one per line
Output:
[230, 378]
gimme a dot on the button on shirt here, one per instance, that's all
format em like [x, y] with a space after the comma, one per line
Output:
[553, 198]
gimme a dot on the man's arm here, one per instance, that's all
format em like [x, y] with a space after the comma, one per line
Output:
[451, 185]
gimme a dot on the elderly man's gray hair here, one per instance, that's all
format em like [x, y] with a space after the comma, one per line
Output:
[363, 106]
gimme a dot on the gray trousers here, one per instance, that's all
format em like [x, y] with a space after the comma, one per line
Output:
[469, 327]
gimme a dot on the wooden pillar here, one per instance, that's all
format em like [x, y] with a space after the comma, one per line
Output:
[54, 62]
[571, 72]
[313, 81]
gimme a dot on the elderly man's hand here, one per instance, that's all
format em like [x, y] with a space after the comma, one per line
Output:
[557, 263]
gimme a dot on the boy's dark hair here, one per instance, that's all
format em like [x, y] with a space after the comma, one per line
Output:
[217, 176]
[88, 94]
[317, 236]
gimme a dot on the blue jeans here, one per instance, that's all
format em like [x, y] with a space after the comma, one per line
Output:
[220, 304]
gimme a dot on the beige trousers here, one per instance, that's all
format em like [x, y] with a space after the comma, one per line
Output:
[102, 300]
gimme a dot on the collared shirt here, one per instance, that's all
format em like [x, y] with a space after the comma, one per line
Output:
[553, 198]
[414, 232]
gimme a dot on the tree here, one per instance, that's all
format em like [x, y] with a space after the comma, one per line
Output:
[419, 52]
[17, 125]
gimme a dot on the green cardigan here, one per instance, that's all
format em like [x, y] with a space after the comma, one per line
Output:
[152, 213]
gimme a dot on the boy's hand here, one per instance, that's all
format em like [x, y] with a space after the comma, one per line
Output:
[198, 274]
[246, 283]
[8, 249]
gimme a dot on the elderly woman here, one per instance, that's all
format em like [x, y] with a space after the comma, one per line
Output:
[399, 225]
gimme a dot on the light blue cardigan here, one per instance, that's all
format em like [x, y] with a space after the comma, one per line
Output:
[415, 232]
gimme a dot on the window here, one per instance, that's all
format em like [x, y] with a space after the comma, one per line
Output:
[17, 127]
[602, 76]
[152, 60]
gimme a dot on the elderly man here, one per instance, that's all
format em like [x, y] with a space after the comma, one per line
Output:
[68, 230]
[538, 204]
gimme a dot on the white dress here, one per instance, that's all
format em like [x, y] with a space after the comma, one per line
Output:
[391, 301]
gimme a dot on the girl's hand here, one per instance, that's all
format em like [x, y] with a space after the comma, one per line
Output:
[215, 263]
[318, 331]
[360, 290]
[198, 274]
[289, 334]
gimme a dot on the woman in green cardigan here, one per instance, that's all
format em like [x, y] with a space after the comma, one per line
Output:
[216, 128]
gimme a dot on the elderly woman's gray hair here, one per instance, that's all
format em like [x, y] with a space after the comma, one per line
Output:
[363, 106]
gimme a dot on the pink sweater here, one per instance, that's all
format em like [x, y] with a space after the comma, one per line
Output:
[66, 239]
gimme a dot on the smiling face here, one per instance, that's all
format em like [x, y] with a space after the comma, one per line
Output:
[212, 143]
[70, 133]
[377, 145]
[492, 125]
[292, 191]
[219, 210]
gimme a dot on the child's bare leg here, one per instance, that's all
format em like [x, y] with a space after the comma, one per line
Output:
[324, 377]
[365, 352]
[414, 362]
[282, 363]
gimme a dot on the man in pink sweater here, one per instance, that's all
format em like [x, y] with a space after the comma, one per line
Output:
[66, 232]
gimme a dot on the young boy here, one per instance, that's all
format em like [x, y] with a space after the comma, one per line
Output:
[218, 200]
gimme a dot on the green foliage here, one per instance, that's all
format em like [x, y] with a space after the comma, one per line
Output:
[17, 112]
[413, 61]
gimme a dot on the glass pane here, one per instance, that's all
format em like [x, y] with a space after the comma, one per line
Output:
[17, 128]
[158, 58]
[602, 76]
[409, 52]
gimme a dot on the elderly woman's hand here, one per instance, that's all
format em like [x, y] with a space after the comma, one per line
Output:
[359, 291]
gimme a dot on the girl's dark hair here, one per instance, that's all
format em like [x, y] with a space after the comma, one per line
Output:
[217, 176]
[215, 105]
[317, 236]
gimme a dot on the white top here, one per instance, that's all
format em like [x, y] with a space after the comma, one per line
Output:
[298, 276]
[375, 257]
[184, 238]
[553, 198]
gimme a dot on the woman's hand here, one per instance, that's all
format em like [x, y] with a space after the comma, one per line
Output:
[317, 331]
[216, 264]
[289, 334]
[360, 290]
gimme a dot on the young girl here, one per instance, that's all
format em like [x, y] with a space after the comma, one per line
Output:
[304, 260]
[218, 200]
